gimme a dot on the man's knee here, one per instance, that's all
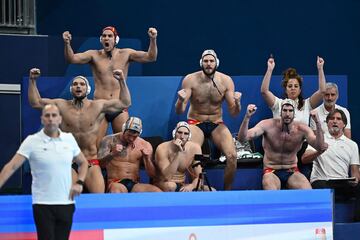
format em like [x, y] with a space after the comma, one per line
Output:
[231, 159]
[270, 183]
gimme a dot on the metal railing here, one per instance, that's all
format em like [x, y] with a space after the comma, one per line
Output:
[17, 16]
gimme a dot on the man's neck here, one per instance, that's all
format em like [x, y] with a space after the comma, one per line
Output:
[329, 108]
[78, 103]
[52, 133]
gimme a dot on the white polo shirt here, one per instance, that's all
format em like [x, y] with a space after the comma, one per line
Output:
[323, 113]
[302, 115]
[50, 162]
[336, 160]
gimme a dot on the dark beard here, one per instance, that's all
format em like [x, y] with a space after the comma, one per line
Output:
[209, 75]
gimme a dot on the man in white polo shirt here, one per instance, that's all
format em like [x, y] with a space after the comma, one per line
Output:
[329, 104]
[50, 153]
[341, 157]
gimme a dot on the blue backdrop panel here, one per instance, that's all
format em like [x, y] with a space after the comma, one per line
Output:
[153, 99]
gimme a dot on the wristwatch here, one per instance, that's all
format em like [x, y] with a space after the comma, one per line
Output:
[80, 182]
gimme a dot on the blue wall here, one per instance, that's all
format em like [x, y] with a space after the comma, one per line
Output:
[243, 33]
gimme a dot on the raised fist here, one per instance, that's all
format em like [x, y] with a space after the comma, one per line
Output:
[271, 63]
[67, 36]
[152, 32]
[237, 97]
[320, 62]
[34, 73]
[251, 109]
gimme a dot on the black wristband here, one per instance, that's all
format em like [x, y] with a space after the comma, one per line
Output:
[80, 182]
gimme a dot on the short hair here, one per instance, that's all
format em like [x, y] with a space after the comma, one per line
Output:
[50, 105]
[341, 112]
[332, 85]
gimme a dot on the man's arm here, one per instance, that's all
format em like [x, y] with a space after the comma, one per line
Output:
[147, 152]
[167, 166]
[9, 169]
[184, 95]
[310, 155]
[232, 98]
[265, 92]
[354, 170]
[151, 54]
[35, 99]
[316, 141]
[124, 100]
[70, 56]
[77, 187]
[244, 133]
[105, 149]
[316, 98]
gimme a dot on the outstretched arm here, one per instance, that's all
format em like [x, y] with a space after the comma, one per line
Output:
[9, 169]
[184, 95]
[35, 100]
[265, 92]
[317, 96]
[70, 56]
[151, 54]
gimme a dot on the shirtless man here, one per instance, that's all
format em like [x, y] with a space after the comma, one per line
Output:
[206, 90]
[174, 158]
[103, 62]
[122, 153]
[282, 139]
[82, 117]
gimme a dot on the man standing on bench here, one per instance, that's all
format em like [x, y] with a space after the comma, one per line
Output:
[207, 90]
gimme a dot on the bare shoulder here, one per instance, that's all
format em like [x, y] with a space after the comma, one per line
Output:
[142, 143]
[194, 147]
[62, 103]
[191, 78]
[110, 137]
[268, 123]
[193, 75]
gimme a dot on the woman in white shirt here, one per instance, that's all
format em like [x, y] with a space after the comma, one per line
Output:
[292, 84]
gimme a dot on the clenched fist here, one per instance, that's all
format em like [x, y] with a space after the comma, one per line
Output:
[152, 32]
[66, 37]
[34, 73]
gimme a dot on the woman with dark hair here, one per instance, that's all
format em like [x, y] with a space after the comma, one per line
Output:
[292, 84]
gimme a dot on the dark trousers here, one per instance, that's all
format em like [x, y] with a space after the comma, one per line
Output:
[53, 222]
[342, 190]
